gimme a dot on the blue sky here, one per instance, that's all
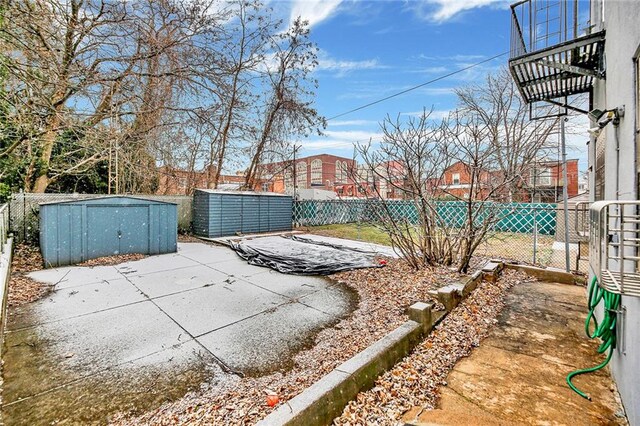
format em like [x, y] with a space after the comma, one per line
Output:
[371, 49]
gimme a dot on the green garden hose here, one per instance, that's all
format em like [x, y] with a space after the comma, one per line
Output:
[606, 330]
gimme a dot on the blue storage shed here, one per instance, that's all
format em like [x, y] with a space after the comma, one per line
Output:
[75, 231]
[223, 213]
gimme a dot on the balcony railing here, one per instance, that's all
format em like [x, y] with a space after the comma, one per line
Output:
[539, 24]
[554, 53]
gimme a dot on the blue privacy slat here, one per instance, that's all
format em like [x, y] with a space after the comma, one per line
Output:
[250, 215]
[74, 231]
[220, 213]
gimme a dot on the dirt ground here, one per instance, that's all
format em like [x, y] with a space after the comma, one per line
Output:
[416, 379]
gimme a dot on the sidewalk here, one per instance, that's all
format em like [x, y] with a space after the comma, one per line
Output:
[517, 375]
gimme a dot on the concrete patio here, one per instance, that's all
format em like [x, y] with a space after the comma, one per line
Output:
[517, 375]
[130, 336]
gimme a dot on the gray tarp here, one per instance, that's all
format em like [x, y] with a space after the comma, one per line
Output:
[303, 256]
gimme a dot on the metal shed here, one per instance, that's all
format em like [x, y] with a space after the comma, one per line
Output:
[223, 213]
[76, 231]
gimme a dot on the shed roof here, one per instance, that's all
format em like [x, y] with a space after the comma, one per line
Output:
[247, 193]
[107, 199]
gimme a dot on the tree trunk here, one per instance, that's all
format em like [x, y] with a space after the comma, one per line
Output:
[48, 140]
[250, 179]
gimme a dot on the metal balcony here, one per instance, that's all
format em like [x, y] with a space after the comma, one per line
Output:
[553, 52]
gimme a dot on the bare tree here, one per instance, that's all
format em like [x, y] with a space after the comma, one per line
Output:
[416, 147]
[289, 104]
[243, 53]
[517, 141]
[488, 139]
[76, 67]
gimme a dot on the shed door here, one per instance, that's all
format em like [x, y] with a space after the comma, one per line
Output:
[117, 230]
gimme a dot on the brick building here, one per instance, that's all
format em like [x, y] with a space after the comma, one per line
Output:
[542, 182]
[174, 181]
[545, 182]
[333, 173]
[323, 171]
[456, 182]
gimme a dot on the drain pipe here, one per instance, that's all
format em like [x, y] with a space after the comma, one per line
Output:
[565, 197]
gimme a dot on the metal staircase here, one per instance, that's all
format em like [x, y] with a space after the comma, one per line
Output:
[554, 54]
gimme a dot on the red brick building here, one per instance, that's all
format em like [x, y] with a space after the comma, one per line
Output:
[387, 181]
[173, 181]
[323, 171]
[456, 182]
[542, 182]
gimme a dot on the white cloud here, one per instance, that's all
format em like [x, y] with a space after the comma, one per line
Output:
[437, 91]
[340, 140]
[449, 58]
[351, 123]
[343, 67]
[327, 144]
[370, 90]
[314, 11]
[444, 10]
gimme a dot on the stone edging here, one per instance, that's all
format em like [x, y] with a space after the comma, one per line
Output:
[548, 274]
[324, 400]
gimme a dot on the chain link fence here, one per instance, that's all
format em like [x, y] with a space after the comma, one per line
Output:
[24, 211]
[531, 233]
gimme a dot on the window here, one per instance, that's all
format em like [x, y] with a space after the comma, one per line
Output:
[540, 176]
[341, 171]
[456, 178]
[316, 172]
[338, 171]
[288, 178]
[265, 187]
[301, 174]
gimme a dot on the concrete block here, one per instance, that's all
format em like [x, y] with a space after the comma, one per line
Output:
[471, 283]
[490, 267]
[449, 296]
[5, 276]
[420, 312]
[438, 316]
[549, 275]
[492, 270]
[316, 405]
[325, 399]
[366, 366]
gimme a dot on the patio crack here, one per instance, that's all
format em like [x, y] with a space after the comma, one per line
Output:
[221, 363]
